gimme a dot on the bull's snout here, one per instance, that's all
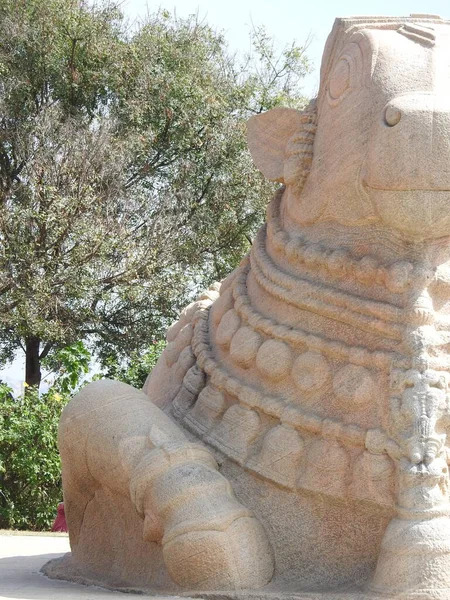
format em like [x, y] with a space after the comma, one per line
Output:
[407, 172]
[410, 147]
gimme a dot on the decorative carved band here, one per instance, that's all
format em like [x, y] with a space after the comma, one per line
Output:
[297, 337]
[397, 277]
[375, 317]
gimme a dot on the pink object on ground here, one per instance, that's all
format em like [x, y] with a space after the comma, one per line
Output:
[60, 521]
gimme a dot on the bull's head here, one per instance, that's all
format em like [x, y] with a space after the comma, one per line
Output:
[381, 151]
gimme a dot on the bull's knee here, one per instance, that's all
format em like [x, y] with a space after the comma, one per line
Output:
[104, 431]
[108, 427]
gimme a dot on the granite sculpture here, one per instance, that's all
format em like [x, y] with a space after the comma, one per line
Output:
[292, 437]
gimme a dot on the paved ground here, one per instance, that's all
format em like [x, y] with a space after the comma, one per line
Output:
[22, 556]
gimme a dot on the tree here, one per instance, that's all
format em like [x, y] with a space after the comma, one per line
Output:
[125, 183]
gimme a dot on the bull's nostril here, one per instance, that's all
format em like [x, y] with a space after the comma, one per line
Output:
[392, 115]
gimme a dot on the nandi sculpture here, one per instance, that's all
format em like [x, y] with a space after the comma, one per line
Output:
[293, 433]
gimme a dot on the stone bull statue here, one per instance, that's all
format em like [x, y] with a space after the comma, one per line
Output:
[293, 433]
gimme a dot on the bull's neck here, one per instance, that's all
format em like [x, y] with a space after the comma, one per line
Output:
[384, 244]
[397, 291]
[393, 286]
[373, 254]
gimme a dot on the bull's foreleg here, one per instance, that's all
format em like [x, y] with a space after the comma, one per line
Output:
[112, 437]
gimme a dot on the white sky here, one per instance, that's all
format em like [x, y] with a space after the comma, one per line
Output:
[285, 21]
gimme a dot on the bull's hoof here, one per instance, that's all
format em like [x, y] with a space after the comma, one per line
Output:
[414, 560]
[238, 557]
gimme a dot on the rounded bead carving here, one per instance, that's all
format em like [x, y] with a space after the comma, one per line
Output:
[310, 371]
[339, 261]
[274, 359]
[210, 405]
[223, 304]
[245, 345]
[398, 276]
[280, 455]
[185, 361]
[171, 353]
[228, 326]
[184, 338]
[353, 387]
[373, 478]
[239, 428]
[327, 467]
[366, 270]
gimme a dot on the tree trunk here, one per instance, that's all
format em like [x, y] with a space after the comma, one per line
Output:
[32, 362]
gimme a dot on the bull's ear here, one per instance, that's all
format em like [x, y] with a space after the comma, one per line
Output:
[267, 137]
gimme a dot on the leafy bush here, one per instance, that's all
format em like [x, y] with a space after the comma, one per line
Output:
[69, 364]
[30, 469]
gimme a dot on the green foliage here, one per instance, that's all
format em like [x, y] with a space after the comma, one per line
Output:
[30, 470]
[136, 369]
[70, 363]
[275, 77]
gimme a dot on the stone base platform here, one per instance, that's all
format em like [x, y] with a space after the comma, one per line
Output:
[60, 569]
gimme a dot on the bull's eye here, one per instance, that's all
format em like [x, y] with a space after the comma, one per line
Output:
[340, 79]
[348, 72]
